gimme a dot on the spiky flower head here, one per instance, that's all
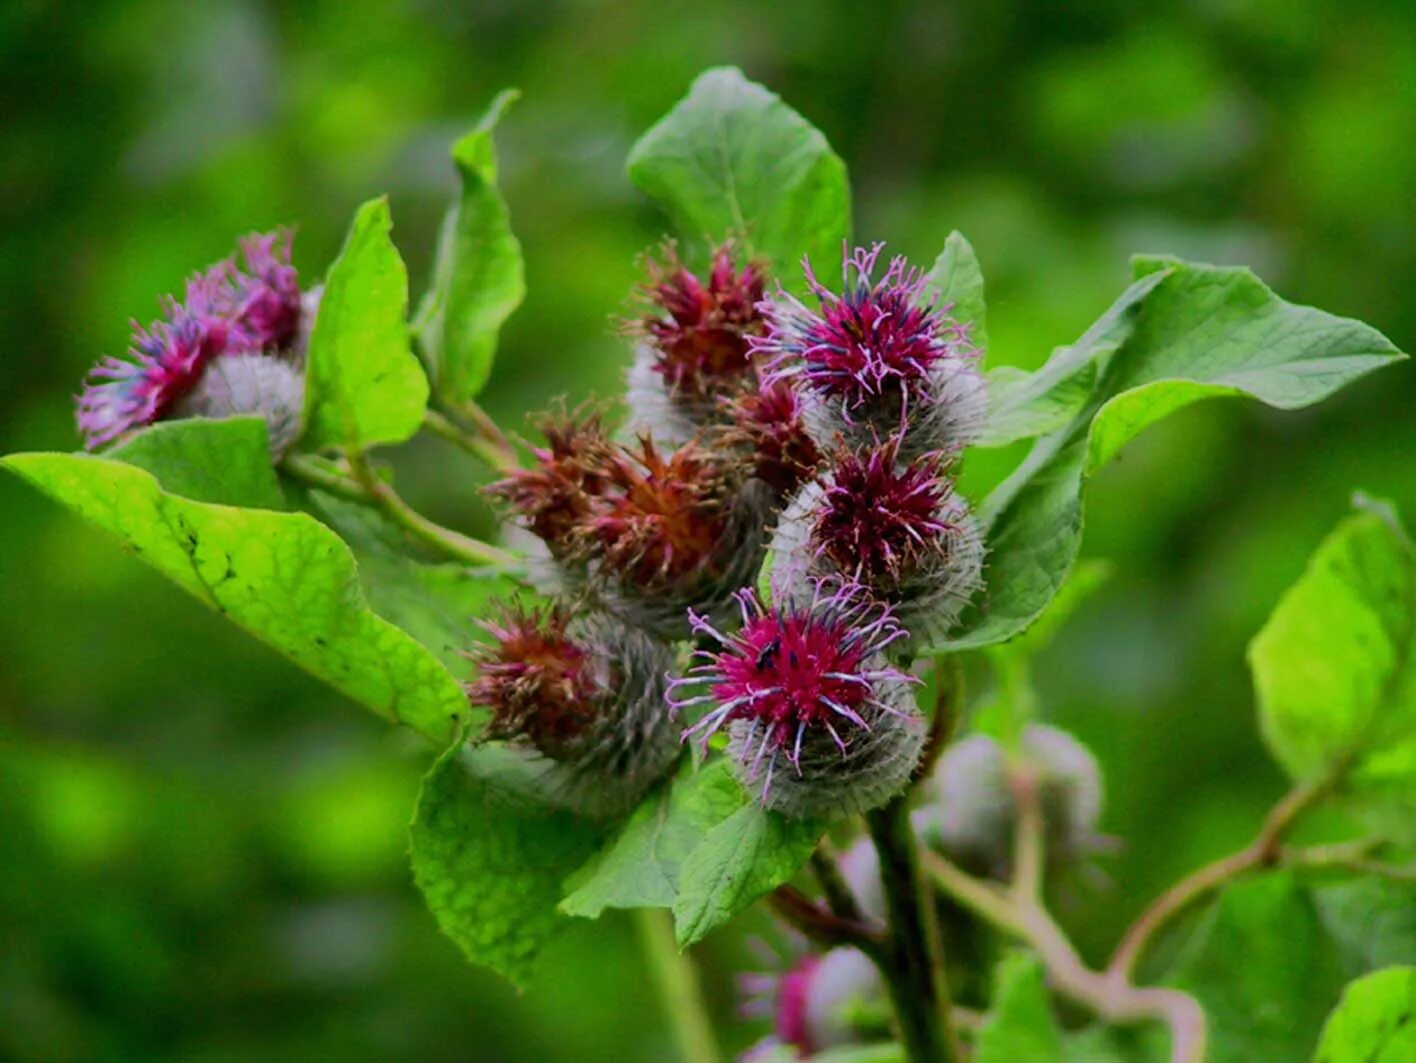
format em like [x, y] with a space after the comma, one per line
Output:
[970, 811]
[587, 695]
[878, 358]
[238, 384]
[225, 310]
[698, 328]
[815, 1002]
[693, 342]
[819, 722]
[766, 422]
[897, 527]
[554, 498]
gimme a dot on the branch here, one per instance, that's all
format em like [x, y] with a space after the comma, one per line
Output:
[1266, 850]
[486, 442]
[948, 707]
[834, 885]
[366, 488]
[822, 927]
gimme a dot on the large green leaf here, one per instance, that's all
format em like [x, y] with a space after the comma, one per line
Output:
[1020, 1025]
[284, 577]
[1375, 1021]
[490, 857]
[479, 278]
[1182, 333]
[957, 280]
[363, 384]
[731, 159]
[748, 854]
[225, 461]
[642, 865]
[1334, 664]
[1265, 971]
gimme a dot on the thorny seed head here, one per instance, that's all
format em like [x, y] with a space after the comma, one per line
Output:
[662, 516]
[877, 516]
[810, 697]
[877, 339]
[225, 310]
[555, 497]
[698, 328]
[767, 423]
[537, 680]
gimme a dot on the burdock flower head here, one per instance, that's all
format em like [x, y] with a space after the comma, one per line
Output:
[587, 695]
[766, 424]
[897, 527]
[556, 495]
[820, 723]
[693, 342]
[226, 311]
[815, 1002]
[876, 359]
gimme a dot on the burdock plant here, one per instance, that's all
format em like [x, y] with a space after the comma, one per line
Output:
[724, 635]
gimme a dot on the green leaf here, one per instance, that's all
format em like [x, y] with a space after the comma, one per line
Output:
[439, 604]
[1333, 666]
[958, 281]
[225, 461]
[1264, 969]
[1375, 1022]
[1372, 920]
[490, 856]
[748, 854]
[363, 384]
[284, 577]
[1182, 333]
[642, 864]
[479, 278]
[1020, 1025]
[881, 1053]
[731, 159]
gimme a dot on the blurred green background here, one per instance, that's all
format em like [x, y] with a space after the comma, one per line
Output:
[204, 849]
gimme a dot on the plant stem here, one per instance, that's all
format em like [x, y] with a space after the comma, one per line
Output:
[679, 989]
[913, 954]
[825, 928]
[365, 487]
[497, 452]
[833, 884]
[1265, 850]
[1029, 839]
[1022, 915]
[948, 707]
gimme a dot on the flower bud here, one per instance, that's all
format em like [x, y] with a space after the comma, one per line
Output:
[693, 347]
[897, 528]
[820, 1002]
[765, 423]
[875, 360]
[819, 722]
[588, 696]
[251, 384]
[971, 813]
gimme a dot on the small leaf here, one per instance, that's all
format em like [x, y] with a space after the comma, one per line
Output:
[490, 856]
[958, 282]
[479, 278]
[642, 864]
[1264, 969]
[1375, 1022]
[1182, 333]
[363, 384]
[731, 159]
[1333, 666]
[1020, 1025]
[748, 854]
[1373, 920]
[284, 577]
[225, 461]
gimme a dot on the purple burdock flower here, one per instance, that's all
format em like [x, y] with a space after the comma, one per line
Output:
[225, 311]
[896, 527]
[820, 723]
[879, 358]
[815, 1002]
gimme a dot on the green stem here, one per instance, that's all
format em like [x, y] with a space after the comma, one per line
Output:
[913, 955]
[497, 452]
[365, 487]
[677, 980]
